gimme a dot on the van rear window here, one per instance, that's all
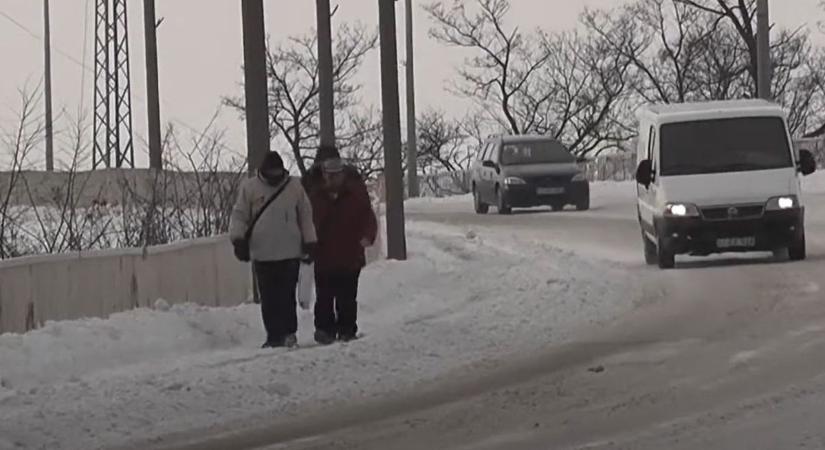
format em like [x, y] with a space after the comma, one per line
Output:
[724, 145]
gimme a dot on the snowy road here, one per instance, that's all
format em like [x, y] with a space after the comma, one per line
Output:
[537, 330]
[721, 354]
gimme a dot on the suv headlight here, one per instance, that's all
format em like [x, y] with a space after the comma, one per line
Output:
[510, 181]
[782, 203]
[681, 210]
[579, 177]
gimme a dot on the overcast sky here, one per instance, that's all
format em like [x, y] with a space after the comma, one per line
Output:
[201, 53]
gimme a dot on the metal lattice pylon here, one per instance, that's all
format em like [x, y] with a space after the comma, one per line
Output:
[113, 100]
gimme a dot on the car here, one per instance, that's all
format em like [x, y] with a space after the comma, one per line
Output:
[523, 171]
[719, 177]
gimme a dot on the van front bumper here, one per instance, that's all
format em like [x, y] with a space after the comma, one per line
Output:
[698, 236]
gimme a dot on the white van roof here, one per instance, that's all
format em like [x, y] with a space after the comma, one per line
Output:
[681, 112]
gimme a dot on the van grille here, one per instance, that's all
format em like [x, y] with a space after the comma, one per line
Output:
[733, 212]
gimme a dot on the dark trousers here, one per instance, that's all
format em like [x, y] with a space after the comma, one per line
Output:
[276, 286]
[336, 305]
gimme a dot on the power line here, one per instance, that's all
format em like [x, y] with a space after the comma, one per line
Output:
[82, 65]
[40, 38]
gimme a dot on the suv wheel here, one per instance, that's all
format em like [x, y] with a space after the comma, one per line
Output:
[480, 207]
[503, 207]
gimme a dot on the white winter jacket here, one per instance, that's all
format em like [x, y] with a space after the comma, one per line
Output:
[283, 228]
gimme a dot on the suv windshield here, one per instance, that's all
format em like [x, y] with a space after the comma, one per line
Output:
[536, 152]
[724, 145]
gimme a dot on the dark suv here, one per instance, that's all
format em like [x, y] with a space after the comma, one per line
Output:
[527, 171]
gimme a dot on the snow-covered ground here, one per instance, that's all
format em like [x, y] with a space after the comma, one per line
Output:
[464, 297]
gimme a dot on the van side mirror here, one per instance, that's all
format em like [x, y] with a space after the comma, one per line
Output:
[807, 163]
[644, 173]
[490, 165]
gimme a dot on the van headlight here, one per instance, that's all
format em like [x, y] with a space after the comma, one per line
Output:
[579, 177]
[782, 203]
[511, 181]
[681, 210]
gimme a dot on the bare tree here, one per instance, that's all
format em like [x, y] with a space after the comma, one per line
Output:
[578, 93]
[294, 86]
[663, 40]
[505, 59]
[446, 149]
[18, 142]
[690, 50]
[362, 143]
[741, 15]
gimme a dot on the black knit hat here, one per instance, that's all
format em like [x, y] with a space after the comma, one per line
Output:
[272, 161]
[325, 153]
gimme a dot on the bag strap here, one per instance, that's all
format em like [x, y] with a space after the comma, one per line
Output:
[269, 201]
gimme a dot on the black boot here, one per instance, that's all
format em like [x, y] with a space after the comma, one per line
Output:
[324, 338]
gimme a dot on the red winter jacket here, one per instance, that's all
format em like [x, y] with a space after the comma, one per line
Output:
[342, 223]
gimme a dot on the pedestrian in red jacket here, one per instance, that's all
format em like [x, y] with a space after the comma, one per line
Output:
[346, 226]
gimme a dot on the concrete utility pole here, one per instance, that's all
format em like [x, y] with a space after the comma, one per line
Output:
[396, 233]
[326, 95]
[153, 91]
[763, 41]
[255, 82]
[47, 39]
[412, 138]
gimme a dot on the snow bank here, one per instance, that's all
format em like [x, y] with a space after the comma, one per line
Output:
[814, 183]
[463, 297]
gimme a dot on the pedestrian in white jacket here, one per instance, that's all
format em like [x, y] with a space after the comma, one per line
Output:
[275, 243]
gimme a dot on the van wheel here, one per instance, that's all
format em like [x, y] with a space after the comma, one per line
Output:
[665, 256]
[797, 251]
[583, 204]
[651, 256]
[480, 207]
[557, 206]
[503, 207]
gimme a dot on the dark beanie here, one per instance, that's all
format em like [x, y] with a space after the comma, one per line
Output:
[272, 161]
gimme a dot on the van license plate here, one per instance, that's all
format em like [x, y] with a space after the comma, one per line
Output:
[741, 242]
[550, 191]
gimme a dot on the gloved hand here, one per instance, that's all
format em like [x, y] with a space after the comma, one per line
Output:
[241, 250]
[310, 250]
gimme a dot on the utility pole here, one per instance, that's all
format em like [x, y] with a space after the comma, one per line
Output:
[48, 87]
[763, 42]
[153, 94]
[256, 91]
[412, 139]
[255, 82]
[396, 239]
[325, 89]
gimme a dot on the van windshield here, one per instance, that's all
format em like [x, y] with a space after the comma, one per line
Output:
[535, 152]
[724, 145]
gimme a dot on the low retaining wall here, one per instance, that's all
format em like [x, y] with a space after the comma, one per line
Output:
[41, 288]
[37, 289]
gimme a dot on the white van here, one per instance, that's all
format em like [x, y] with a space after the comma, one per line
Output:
[719, 177]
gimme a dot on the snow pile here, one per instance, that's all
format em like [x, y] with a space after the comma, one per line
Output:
[814, 183]
[465, 296]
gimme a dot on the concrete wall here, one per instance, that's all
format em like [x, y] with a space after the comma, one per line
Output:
[36, 289]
